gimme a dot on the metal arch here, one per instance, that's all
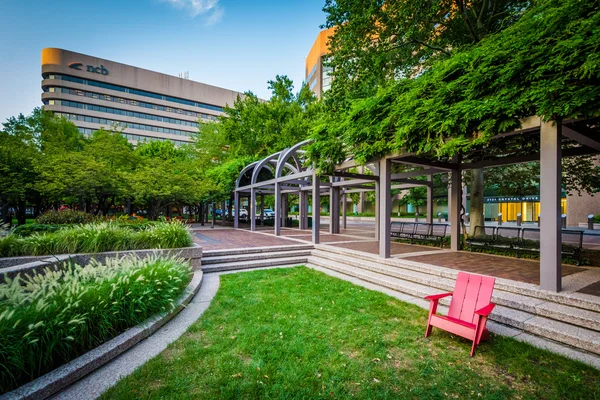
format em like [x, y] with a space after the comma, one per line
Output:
[287, 165]
[261, 164]
[246, 168]
[286, 154]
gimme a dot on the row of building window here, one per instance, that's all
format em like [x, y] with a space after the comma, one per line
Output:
[110, 110]
[110, 122]
[137, 138]
[121, 100]
[124, 89]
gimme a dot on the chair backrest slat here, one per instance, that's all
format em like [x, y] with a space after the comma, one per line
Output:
[485, 294]
[458, 296]
[470, 301]
[471, 292]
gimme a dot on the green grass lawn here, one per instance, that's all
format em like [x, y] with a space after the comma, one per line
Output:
[298, 333]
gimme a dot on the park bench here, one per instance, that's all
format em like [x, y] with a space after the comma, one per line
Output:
[523, 240]
[418, 231]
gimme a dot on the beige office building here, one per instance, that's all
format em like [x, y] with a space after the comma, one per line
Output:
[316, 74]
[147, 105]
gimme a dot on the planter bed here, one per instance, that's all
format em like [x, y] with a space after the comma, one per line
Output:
[11, 266]
[65, 375]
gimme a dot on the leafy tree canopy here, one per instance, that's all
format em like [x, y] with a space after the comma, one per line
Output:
[251, 130]
[545, 64]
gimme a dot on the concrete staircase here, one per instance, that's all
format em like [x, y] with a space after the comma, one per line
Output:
[257, 257]
[566, 319]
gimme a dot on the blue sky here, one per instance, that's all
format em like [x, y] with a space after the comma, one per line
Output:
[235, 44]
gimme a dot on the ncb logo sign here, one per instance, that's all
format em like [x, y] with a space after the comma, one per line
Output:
[90, 68]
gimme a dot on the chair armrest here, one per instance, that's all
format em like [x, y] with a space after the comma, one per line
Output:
[485, 311]
[438, 296]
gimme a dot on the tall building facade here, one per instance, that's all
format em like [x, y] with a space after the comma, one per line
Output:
[317, 75]
[95, 93]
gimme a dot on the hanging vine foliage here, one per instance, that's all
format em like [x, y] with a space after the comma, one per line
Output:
[547, 64]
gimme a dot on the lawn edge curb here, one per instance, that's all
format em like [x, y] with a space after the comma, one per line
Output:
[67, 374]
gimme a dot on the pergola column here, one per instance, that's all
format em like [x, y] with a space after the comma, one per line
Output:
[334, 210]
[384, 203]
[252, 209]
[316, 208]
[377, 208]
[277, 222]
[302, 209]
[455, 206]
[262, 209]
[344, 204]
[550, 194]
[430, 199]
[236, 210]
[284, 209]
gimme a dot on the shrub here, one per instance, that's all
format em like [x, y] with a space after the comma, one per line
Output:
[47, 320]
[97, 237]
[65, 217]
[30, 229]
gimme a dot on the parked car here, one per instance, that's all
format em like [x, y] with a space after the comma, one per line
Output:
[268, 214]
[243, 214]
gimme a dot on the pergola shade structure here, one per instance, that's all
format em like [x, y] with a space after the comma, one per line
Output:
[286, 173]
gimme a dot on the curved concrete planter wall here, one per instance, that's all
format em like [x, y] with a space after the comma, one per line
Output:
[11, 266]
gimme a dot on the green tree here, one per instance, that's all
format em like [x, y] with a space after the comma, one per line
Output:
[377, 41]
[165, 176]
[250, 130]
[24, 141]
[459, 102]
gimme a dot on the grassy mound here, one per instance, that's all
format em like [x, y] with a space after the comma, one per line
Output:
[299, 334]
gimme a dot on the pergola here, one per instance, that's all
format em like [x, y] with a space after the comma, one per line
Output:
[285, 172]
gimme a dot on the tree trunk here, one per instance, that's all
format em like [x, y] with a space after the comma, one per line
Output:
[4, 210]
[21, 219]
[476, 207]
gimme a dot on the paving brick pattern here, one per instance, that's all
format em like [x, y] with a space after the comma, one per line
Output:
[502, 267]
[236, 239]
[326, 238]
[372, 247]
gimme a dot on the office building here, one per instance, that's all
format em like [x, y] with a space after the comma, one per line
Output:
[95, 93]
[317, 75]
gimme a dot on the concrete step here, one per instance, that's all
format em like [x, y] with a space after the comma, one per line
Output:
[496, 327]
[253, 250]
[578, 300]
[571, 335]
[254, 256]
[576, 316]
[268, 262]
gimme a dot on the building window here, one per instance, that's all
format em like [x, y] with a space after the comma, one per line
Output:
[130, 102]
[132, 91]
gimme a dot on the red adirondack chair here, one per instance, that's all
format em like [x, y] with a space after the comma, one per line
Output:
[469, 308]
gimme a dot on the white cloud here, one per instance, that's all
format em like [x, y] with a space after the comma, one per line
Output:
[208, 8]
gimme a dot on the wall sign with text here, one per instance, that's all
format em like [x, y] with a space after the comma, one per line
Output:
[89, 68]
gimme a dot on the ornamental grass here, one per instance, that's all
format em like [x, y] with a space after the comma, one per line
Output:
[97, 237]
[49, 319]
